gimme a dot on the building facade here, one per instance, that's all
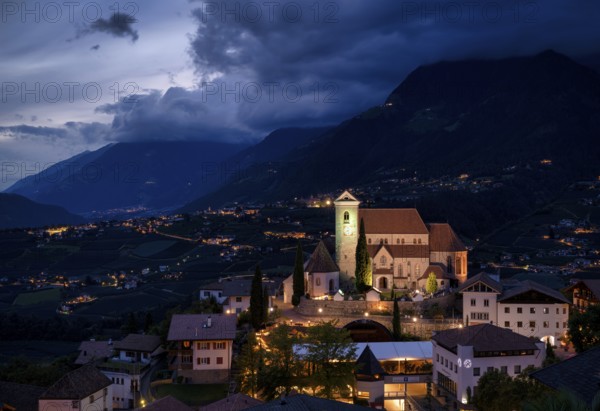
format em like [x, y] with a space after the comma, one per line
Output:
[462, 355]
[585, 294]
[525, 307]
[403, 249]
[201, 346]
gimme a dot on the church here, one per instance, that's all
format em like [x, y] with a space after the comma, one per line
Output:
[403, 249]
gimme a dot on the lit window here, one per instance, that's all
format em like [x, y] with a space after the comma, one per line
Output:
[546, 310]
[203, 345]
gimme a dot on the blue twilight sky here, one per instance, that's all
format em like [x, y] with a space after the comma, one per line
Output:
[76, 75]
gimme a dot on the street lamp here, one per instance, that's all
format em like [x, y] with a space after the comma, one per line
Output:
[320, 310]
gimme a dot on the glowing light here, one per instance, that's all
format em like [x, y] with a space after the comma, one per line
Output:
[414, 319]
[366, 314]
[320, 310]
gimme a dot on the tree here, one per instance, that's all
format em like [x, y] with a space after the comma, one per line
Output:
[298, 276]
[431, 286]
[361, 272]
[265, 305]
[250, 364]
[584, 328]
[332, 356]
[281, 363]
[396, 324]
[497, 391]
[148, 322]
[559, 401]
[256, 299]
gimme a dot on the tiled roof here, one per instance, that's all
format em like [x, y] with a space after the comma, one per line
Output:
[579, 375]
[90, 351]
[485, 279]
[401, 251]
[593, 285]
[214, 286]
[243, 287]
[235, 402]
[20, 396]
[167, 403]
[301, 402]
[443, 238]
[392, 221]
[139, 342]
[526, 286]
[78, 384]
[439, 272]
[484, 337]
[194, 327]
[320, 261]
[367, 363]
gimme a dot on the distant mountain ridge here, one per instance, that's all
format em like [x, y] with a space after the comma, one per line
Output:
[474, 116]
[19, 212]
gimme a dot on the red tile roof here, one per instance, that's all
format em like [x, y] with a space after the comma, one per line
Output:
[392, 221]
[443, 238]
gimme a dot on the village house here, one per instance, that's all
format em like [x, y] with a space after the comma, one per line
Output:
[85, 388]
[462, 355]
[525, 307]
[201, 346]
[585, 293]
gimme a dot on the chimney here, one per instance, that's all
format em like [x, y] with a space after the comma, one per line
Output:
[209, 322]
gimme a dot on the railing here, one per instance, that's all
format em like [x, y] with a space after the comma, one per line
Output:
[407, 398]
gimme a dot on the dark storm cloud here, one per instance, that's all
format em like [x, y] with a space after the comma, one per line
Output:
[118, 25]
[95, 48]
[73, 132]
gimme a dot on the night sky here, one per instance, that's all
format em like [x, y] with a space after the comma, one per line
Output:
[76, 76]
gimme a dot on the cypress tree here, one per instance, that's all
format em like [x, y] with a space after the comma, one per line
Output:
[362, 260]
[396, 324]
[256, 299]
[265, 305]
[298, 277]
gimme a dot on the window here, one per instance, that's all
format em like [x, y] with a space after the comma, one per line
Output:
[437, 358]
[221, 345]
[531, 324]
[504, 369]
[238, 299]
[92, 398]
[490, 369]
[517, 369]
[564, 310]
[318, 282]
[129, 354]
[346, 217]
[186, 359]
[417, 269]
[449, 264]
[403, 241]
[419, 241]
[473, 302]
[385, 241]
[519, 324]
[408, 268]
[383, 260]
[486, 303]
[557, 324]
[207, 293]
[476, 372]
[414, 241]
[506, 323]
[546, 324]
[203, 360]
[397, 241]
[519, 310]
[506, 310]
[187, 344]
[480, 316]
[446, 363]
[557, 310]
[203, 345]
[546, 310]
[369, 241]
[564, 324]
[532, 310]
[219, 360]
[400, 270]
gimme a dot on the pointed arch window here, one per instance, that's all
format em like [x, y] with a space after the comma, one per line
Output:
[383, 260]
[346, 217]
[449, 264]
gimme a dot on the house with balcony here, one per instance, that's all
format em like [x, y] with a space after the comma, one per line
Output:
[462, 355]
[236, 293]
[124, 362]
[585, 293]
[525, 307]
[200, 346]
[85, 388]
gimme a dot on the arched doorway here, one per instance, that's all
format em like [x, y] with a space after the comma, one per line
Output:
[383, 283]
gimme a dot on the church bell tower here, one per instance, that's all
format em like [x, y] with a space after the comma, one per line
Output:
[346, 233]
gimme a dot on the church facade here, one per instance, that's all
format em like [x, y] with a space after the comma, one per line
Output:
[403, 249]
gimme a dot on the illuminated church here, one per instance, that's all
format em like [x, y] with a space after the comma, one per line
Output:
[403, 249]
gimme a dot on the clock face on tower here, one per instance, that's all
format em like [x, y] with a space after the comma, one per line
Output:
[348, 230]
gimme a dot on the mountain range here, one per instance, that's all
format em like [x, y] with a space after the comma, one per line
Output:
[19, 212]
[473, 116]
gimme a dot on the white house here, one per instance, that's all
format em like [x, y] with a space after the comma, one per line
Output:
[201, 346]
[525, 307]
[462, 355]
[236, 293]
[85, 388]
[212, 290]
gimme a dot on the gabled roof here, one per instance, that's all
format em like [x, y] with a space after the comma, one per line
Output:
[484, 337]
[77, 384]
[346, 196]
[443, 238]
[20, 396]
[214, 286]
[527, 286]
[243, 287]
[392, 221]
[167, 403]
[301, 402]
[235, 402]
[320, 261]
[401, 251]
[484, 279]
[194, 327]
[367, 364]
[90, 351]
[439, 272]
[579, 375]
[138, 342]
[592, 285]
